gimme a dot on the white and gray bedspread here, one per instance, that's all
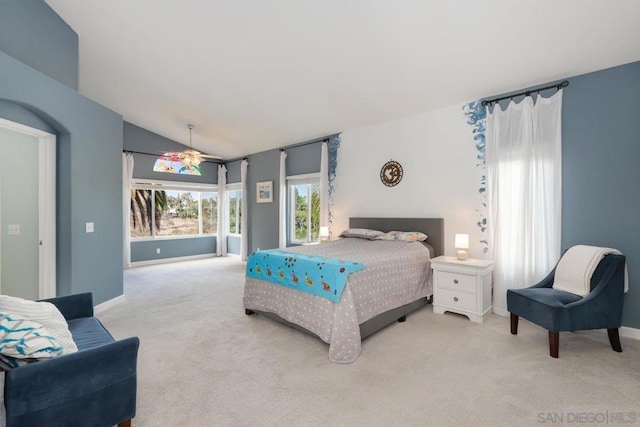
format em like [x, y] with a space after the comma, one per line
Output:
[396, 273]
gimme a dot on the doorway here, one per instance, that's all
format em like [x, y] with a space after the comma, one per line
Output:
[27, 211]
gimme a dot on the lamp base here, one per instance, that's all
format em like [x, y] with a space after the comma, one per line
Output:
[461, 254]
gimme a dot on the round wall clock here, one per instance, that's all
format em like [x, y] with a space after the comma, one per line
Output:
[391, 173]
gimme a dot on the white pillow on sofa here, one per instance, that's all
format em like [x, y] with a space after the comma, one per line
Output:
[22, 338]
[44, 313]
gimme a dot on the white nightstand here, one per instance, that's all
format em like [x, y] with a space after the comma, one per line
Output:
[462, 287]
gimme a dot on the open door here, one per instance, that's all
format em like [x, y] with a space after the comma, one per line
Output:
[27, 211]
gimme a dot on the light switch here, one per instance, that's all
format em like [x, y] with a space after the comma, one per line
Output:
[89, 227]
[14, 229]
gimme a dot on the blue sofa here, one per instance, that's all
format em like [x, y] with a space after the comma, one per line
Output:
[96, 386]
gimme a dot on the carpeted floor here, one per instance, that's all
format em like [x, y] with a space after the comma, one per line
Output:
[203, 362]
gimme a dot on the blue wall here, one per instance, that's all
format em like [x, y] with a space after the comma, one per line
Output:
[600, 173]
[87, 190]
[34, 34]
[143, 141]
[138, 139]
[172, 248]
[263, 222]
[89, 144]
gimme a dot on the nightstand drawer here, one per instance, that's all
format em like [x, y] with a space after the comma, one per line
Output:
[456, 281]
[457, 299]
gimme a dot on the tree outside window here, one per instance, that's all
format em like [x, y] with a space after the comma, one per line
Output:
[235, 211]
[304, 212]
[162, 213]
[209, 212]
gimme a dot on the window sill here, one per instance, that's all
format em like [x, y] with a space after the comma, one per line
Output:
[155, 239]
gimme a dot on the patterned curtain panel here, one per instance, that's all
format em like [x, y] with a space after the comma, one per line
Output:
[324, 185]
[332, 148]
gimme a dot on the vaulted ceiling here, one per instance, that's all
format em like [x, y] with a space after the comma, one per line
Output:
[258, 74]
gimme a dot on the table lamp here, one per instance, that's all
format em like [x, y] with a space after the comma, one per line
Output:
[324, 234]
[461, 243]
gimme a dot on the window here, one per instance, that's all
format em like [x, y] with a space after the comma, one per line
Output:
[170, 209]
[304, 208]
[234, 204]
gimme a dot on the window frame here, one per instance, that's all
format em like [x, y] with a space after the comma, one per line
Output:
[293, 180]
[153, 185]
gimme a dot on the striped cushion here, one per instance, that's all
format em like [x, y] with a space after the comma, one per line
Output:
[23, 341]
[44, 313]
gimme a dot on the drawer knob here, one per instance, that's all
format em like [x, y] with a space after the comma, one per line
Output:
[455, 281]
[455, 299]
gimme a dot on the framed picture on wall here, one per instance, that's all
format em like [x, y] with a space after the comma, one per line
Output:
[264, 192]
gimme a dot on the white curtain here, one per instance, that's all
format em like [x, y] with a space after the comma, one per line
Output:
[324, 185]
[221, 238]
[282, 233]
[245, 202]
[127, 176]
[523, 159]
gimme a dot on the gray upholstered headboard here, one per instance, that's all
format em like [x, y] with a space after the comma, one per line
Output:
[432, 227]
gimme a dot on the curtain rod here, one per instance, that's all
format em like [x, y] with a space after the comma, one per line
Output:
[300, 144]
[160, 155]
[558, 86]
[223, 161]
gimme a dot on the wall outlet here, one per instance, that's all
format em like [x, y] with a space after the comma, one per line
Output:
[14, 229]
[89, 227]
[157, 250]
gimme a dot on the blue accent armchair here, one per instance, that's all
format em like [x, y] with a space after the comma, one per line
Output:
[557, 311]
[96, 386]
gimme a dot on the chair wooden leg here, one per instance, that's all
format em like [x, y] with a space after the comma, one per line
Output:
[125, 423]
[614, 339]
[514, 324]
[554, 344]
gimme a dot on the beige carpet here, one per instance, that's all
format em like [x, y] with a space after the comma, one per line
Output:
[203, 362]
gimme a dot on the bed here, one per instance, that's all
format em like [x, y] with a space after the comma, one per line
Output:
[395, 281]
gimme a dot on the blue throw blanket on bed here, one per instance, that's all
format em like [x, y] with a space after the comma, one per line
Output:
[320, 276]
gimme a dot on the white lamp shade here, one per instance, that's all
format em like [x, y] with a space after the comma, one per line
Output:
[324, 231]
[462, 241]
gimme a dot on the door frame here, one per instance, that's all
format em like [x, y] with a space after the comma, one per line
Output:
[46, 205]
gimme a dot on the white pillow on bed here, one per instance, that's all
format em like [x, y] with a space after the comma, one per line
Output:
[405, 236]
[361, 233]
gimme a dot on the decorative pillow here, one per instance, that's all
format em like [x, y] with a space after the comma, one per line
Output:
[44, 313]
[23, 341]
[405, 236]
[361, 233]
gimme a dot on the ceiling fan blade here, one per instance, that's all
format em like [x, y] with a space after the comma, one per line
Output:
[210, 156]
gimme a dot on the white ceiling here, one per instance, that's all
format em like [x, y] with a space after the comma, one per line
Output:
[258, 74]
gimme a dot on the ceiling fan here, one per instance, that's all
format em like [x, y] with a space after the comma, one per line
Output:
[189, 157]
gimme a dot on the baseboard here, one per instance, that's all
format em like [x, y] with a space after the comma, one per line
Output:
[500, 312]
[108, 304]
[628, 332]
[169, 260]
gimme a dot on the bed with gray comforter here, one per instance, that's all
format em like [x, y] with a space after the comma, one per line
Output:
[396, 274]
